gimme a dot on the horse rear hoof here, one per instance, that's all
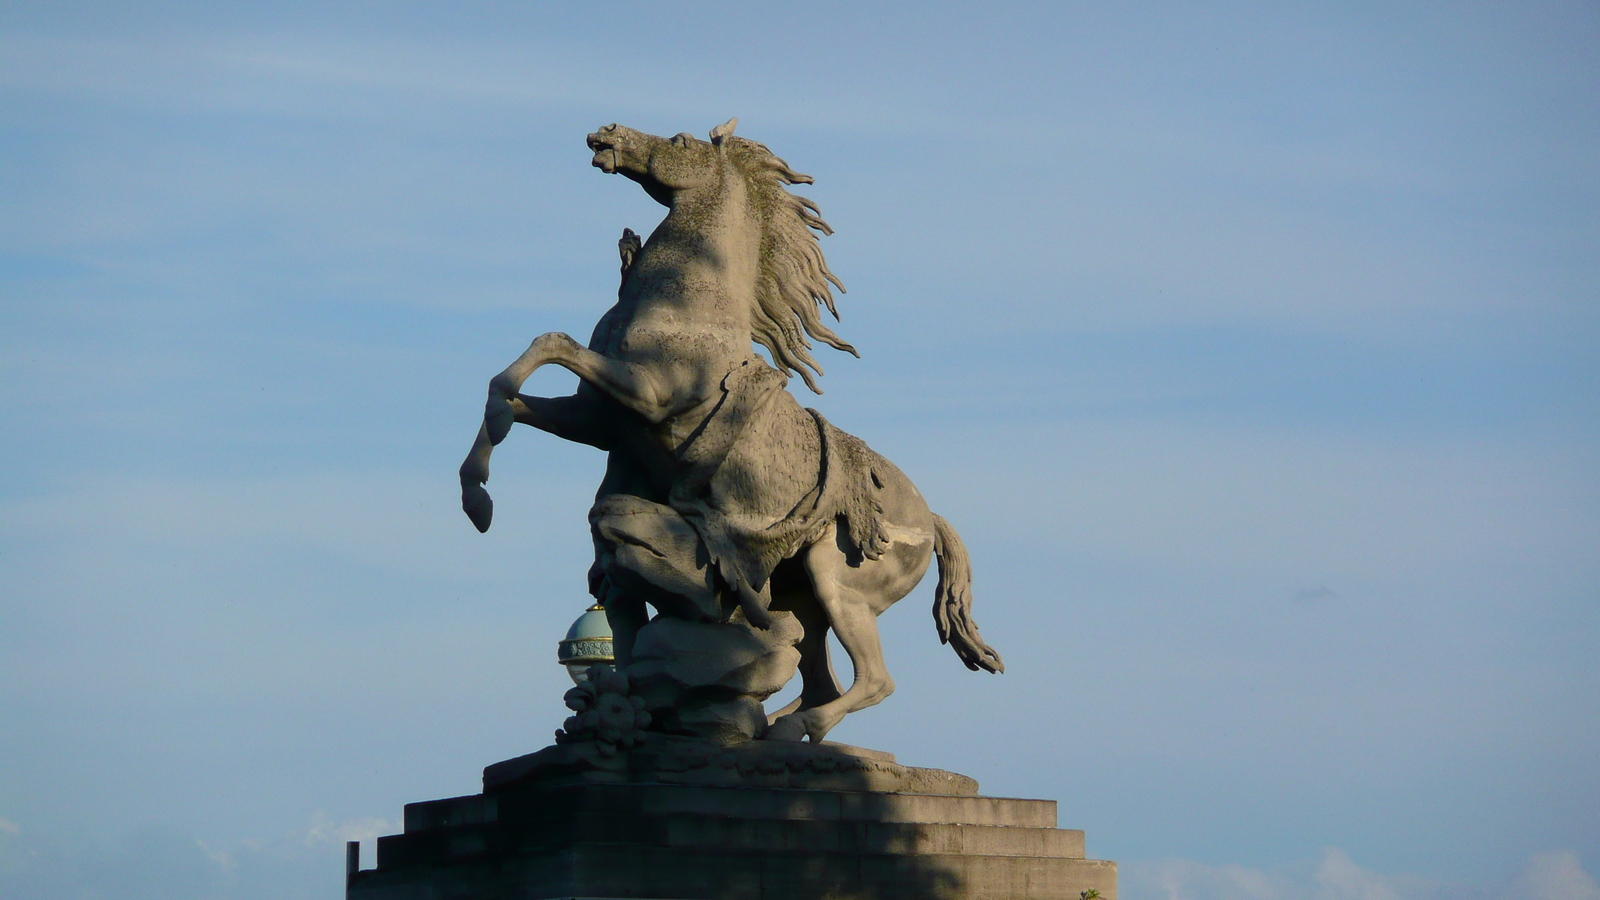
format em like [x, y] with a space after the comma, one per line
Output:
[787, 728]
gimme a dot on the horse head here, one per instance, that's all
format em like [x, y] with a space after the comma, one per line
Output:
[664, 167]
[793, 280]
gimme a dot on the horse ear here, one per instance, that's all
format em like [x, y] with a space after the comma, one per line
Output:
[723, 130]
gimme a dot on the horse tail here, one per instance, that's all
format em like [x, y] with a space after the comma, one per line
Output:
[952, 601]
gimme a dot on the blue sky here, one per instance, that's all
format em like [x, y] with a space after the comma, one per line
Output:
[1249, 346]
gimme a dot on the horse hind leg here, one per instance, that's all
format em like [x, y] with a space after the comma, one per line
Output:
[819, 685]
[854, 620]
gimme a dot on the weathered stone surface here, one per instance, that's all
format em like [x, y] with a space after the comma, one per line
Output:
[753, 527]
[707, 679]
[703, 843]
[664, 759]
[580, 802]
[721, 492]
[732, 655]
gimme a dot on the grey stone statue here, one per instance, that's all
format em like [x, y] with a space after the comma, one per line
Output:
[749, 523]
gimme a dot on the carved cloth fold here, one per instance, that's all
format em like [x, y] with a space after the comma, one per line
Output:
[745, 549]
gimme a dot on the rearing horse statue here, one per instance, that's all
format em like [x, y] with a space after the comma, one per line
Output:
[722, 495]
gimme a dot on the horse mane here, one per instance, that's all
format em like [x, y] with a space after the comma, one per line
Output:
[792, 279]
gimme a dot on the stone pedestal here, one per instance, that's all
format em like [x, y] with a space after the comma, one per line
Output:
[578, 837]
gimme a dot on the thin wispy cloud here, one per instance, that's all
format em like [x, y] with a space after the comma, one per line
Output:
[1248, 349]
[1548, 875]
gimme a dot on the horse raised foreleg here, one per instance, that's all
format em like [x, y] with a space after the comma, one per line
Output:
[474, 471]
[628, 384]
[570, 417]
[631, 385]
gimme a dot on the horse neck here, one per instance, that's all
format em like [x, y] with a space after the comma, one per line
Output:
[712, 237]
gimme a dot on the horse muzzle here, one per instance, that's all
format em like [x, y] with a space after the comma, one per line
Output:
[605, 144]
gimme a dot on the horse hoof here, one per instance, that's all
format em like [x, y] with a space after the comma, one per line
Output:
[788, 728]
[478, 505]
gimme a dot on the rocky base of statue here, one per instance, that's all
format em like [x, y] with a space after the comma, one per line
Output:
[617, 808]
[555, 833]
[661, 784]
[608, 740]
[663, 759]
[708, 679]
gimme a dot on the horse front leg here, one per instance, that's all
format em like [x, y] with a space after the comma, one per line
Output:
[631, 385]
[573, 418]
[474, 472]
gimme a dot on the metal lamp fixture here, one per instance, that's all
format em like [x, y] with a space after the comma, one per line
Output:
[588, 643]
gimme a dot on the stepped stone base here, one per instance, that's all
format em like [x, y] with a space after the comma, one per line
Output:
[674, 841]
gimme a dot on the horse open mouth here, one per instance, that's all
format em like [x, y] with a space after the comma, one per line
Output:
[605, 154]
